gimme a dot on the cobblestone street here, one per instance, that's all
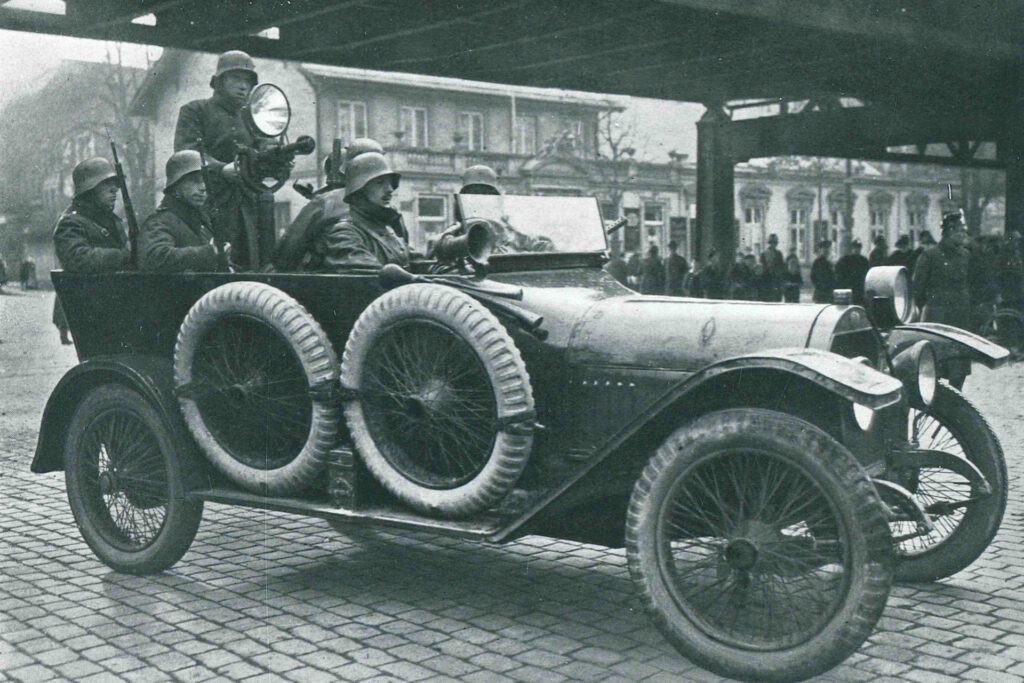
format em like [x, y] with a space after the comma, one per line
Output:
[267, 596]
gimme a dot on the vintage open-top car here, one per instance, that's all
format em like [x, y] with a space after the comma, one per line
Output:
[769, 468]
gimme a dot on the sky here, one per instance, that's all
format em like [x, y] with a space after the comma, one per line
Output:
[26, 57]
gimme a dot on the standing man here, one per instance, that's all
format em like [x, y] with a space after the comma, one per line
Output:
[652, 280]
[926, 240]
[774, 269]
[676, 269]
[214, 126]
[901, 256]
[823, 276]
[880, 254]
[88, 237]
[616, 266]
[941, 286]
[851, 270]
[177, 237]
[294, 251]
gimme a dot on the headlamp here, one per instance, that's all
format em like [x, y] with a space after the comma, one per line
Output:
[915, 367]
[887, 296]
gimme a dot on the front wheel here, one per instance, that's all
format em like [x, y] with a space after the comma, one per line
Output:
[758, 546]
[125, 483]
[965, 519]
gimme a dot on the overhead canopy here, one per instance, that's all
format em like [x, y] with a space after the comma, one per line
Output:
[930, 52]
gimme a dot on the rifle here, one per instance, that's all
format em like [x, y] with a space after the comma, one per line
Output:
[129, 211]
[222, 259]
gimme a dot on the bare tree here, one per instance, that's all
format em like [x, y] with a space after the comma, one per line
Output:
[131, 133]
[617, 148]
[978, 188]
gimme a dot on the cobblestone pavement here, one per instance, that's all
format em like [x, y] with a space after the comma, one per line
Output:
[265, 596]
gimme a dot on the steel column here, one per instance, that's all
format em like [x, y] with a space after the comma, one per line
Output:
[716, 212]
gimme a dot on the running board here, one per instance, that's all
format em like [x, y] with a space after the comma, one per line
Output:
[371, 515]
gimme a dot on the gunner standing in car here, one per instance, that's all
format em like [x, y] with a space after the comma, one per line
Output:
[371, 234]
[177, 237]
[215, 127]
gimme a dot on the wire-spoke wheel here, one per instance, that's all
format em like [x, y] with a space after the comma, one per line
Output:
[124, 482]
[247, 359]
[444, 411]
[965, 519]
[758, 546]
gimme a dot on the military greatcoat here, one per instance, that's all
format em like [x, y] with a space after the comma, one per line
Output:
[176, 239]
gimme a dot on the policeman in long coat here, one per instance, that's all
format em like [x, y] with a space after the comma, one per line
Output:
[178, 237]
[941, 284]
[294, 251]
[88, 236]
[215, 125]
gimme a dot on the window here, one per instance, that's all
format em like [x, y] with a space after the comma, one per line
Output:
[526, 135]
[577, 136]
[878, 218]
[915, 218]
[798, 216]
[431, 215]
[753, 215]
[471, 124]
[414, 125]
[654, 220]
[834, 217]
[609, 211]
[351, 121]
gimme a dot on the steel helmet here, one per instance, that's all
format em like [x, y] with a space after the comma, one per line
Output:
[362, 146]
[366, 167]
[91, 173]
[479, 179]
[180, 164]
[235, 60]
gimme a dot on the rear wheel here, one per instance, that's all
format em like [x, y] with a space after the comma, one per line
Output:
[125, 483]
[964, 518]
[758, 546]
[1005, 327]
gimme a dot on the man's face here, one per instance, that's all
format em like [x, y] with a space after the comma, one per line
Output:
[191, 189]
[957, 236]
[378, 191]
[236, 84]
[105, 194]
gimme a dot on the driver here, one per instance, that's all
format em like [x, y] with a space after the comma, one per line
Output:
[294, 251]
[373, 233]
[481, 179]
[216, 126]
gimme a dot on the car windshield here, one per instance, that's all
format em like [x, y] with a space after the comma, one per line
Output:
[538, 224]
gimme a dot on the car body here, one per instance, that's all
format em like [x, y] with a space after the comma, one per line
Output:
[616, 378]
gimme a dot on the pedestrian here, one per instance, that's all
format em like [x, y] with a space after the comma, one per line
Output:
[88, 236]
[774, 269]
[652, 272]
[791, 257]
[3, 273]
[178, 237]
[714, 283]
[924, 241]
[676, 269]
[214, 126]
[633, 270]
[616, 266]
[370, 235]
[744, 285]
[941, 286]
[27, 274]
[792, 282]
[902, 255]
[879, 256]
[823, 276]
[851, 270]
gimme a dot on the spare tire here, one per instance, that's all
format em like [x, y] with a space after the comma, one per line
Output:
[441, 409]
[255, 375]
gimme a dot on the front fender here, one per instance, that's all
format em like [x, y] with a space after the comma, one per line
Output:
[949, 342]
[151, 376]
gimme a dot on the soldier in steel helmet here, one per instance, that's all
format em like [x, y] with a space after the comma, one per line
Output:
[89, 237]
[295, 249]
[215, 125]
[373, 233]
[482, 179]
[178, 236]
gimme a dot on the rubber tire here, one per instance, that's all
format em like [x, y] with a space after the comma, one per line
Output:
[982, 519]
[838, 474]
[315, 353]
[183, 515]
[478, 327]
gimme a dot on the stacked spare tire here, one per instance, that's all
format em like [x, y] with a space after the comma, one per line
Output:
[436, 396]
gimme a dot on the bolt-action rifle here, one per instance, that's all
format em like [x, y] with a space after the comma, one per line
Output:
[129, 211]
[222, 259]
